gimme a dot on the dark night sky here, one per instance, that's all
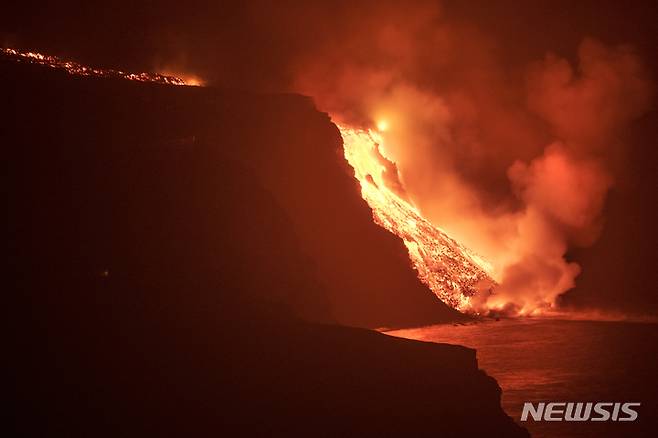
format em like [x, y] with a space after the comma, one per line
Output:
[256, 46]
[259, 38]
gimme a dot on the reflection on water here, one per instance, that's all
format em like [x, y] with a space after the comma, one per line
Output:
[558, 360]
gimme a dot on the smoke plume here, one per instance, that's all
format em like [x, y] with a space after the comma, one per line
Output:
[515, 162]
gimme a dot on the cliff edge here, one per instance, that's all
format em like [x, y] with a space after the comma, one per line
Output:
[179, 255]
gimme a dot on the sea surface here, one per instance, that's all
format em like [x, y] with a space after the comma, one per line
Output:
[564, 360]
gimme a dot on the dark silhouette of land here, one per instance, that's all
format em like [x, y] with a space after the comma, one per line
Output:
[179, 259]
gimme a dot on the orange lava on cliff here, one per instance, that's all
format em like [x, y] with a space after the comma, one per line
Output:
[74, 68]
[458, 276]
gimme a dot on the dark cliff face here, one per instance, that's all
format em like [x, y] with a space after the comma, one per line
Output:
[116, 131]
[162, 241]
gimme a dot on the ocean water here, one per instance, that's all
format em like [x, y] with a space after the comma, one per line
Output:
[548, 360]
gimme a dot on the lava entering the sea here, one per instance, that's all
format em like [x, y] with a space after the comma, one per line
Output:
[457, 275]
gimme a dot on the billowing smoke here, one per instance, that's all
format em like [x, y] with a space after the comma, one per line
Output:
[513, 161]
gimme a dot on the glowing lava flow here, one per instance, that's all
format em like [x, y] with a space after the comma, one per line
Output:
[80, 70]
[455, 274]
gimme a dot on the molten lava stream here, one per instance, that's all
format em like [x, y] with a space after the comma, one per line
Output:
[458, 276]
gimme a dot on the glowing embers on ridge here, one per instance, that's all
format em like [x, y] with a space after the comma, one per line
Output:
[457, 276]
[80, 70]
